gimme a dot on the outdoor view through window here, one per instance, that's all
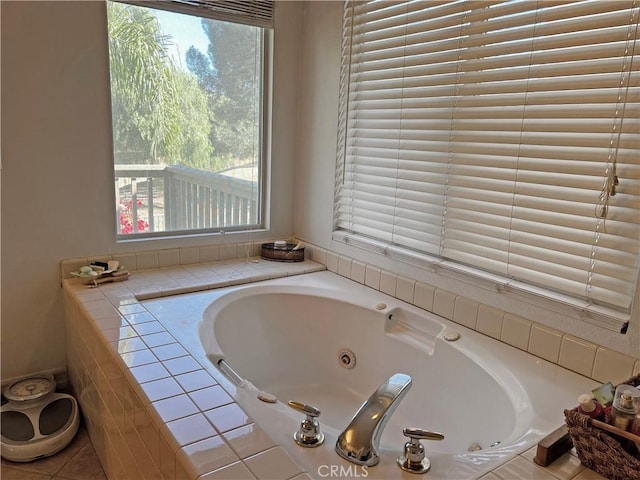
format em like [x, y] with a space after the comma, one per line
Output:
[186, 95]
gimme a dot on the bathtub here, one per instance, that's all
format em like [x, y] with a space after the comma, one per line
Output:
[329, 342]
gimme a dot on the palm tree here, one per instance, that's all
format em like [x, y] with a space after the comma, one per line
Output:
[143, 88]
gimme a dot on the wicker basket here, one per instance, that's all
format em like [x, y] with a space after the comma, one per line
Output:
[604, 450]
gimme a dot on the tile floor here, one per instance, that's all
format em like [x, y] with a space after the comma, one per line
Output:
[78, 461]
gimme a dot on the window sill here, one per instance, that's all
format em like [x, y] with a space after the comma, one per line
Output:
[601, 316]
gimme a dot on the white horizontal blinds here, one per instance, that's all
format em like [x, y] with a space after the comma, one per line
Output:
[387, 191]
[562, 72]
[620, 200]
[344, 190]
[257, 13]
[482, 132]
[579, 61]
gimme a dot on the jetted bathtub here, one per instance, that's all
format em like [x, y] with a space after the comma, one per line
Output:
[329, 342]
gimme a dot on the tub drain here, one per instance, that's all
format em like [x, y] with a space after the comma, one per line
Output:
[347, 359]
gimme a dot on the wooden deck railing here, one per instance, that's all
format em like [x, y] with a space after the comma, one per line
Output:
[158, 198]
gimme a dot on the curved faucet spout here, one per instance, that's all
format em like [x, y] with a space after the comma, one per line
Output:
[360, 441]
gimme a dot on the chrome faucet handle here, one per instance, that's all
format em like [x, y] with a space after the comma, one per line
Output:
[309, 434]
[414, 459]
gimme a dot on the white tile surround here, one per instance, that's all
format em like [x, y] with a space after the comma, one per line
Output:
[155, 412]
[584, 357]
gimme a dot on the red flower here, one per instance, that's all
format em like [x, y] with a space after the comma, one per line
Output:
[126, 217]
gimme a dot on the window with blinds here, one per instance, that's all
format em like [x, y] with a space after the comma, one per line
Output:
[496, 137]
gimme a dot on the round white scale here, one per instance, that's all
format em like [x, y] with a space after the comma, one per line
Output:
[36, 422]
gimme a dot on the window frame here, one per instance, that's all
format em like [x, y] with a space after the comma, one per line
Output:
[265, 22]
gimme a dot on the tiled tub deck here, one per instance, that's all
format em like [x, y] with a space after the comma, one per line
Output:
[156, 408]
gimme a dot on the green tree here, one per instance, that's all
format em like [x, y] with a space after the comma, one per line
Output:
[159, 113]
[194, 125]
[230, 73]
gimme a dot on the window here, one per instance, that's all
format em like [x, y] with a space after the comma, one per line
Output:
[188, 95]
[499, 141]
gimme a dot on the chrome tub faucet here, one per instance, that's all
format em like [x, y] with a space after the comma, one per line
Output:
[360, 442]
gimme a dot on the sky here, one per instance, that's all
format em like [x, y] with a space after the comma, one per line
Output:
[185, 31]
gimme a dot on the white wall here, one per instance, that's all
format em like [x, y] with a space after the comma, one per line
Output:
[315, 182]
[318, 117]
[57, 180]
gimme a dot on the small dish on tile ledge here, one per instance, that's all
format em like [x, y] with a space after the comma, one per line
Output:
[101, 272]
[281, 251]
